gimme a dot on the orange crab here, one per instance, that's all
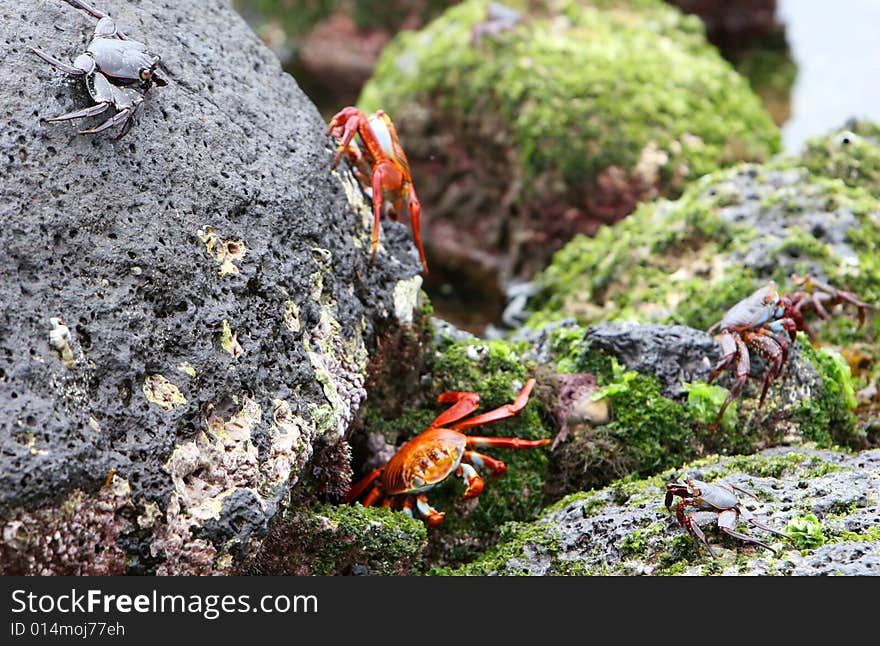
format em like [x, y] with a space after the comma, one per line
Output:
[436, 453]
[381, 158]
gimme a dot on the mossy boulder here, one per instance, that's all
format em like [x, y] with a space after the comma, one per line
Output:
[826, 501]
[686, 261]
[659, 409]
[520, 137]
[850, 153]
[327, 540]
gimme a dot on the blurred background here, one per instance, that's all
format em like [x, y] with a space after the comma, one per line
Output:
[812, 63]
[809, 60]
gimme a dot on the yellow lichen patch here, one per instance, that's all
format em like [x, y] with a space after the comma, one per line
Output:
[406, 294]
[186, 368]
[158, 390]
[221, 460]
[225, 252]
[229, 341]
[59, 339]
[285, 443]
[291, 316]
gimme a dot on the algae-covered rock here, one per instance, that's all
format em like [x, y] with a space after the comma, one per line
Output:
[687, 261]
[327, 540]
[652, 379]
[188, 310]
[850, 153]
[826, 501]
[520, 136]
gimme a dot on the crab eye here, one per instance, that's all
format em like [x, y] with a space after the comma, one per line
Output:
[145, 74]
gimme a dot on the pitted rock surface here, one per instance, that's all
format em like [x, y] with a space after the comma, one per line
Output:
[190, 306]
[625, 528]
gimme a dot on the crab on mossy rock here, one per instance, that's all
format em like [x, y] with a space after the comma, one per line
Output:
[558, 121]
[687, 261]
[651, 382]
[826, 501]
[496, 371]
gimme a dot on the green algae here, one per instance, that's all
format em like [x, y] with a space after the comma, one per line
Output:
[574, 90]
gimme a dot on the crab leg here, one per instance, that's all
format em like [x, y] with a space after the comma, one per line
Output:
[482, 460]
[741, 354]
[767, 528]
[98, 108]
[693, 528]
[472, 481]
[463, 404]
[502, 412]
[432, 516]
[771, 350]
[126, 114]
[415, 213]
[361, 486]
[727, 522]
[385, 175]
[61, 65]
[89, 9]
[816, 292]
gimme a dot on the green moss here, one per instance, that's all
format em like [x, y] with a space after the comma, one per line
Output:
[762, 466]
[573, 97]
[870, 534]
[705, 400]
[806, 532]
[345, 539]
[827, 418]
[502, 559]
[851, 154]
[683, 262]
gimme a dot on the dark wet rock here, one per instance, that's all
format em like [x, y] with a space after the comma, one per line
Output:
[673, 353]
[625, 528]
[734, 24]
[191, 306]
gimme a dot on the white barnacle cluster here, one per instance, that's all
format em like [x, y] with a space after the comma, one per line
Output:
[59, 339]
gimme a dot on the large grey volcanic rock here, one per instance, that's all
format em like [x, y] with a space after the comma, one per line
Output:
[191, 306]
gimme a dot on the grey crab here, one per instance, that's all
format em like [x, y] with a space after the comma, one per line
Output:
[717, 499]
[118, 72]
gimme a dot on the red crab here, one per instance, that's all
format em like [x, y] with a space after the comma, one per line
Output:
[436, 453]
[768, 322]
[380, 158]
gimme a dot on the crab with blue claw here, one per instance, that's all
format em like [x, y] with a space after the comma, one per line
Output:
[719, 500]
[768, 322]
[118, 72]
